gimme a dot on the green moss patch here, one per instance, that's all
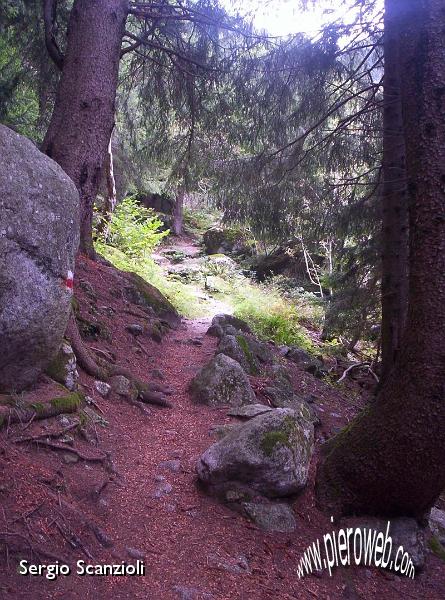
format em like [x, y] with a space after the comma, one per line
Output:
[283, 436]
[243, 344]
[69, 403]
[437, 548]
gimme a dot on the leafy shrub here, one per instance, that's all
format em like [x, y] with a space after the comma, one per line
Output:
[134, 229]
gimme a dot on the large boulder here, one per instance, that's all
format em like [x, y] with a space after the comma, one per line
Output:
[39, 237]
[222, 381]
[269, 455]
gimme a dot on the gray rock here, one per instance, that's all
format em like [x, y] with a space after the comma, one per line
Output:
[135, 553]
[135, 329]
[63, 368]
[174, 466]
[273, 516]
[261, 350]
[69, 458]
[222, 320]
[123, 387]
[306, 361]
[102, 388]
[237, 348]
[162, 489]
[269, 455]
[39, 236]
[281, 394]
[215, 331]
[404, 532]
[222, 381]
[436, 522]
[249, 411]
[230, 330]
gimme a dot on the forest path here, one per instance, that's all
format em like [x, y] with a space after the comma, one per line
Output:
[194, 548]
[192, 253]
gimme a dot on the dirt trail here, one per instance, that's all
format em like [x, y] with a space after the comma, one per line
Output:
[194, 547]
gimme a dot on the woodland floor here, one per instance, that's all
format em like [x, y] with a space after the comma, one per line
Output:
[194, 547]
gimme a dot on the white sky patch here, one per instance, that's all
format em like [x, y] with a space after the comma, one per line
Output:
[286, 17]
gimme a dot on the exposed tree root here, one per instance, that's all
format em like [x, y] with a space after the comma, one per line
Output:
[104, 372]
[45, 434]
[65, 448]
[18, 543]
[39, 410]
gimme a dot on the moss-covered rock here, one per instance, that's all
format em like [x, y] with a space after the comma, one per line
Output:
[238, 349]
[63, 367]
[222, 381]
[269, 455]
[271, 516]
[437, 548]
[140, 292]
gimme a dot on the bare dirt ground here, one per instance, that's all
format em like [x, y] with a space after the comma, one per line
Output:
[149, 504]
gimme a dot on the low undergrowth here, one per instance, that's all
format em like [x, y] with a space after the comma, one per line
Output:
[135, 232]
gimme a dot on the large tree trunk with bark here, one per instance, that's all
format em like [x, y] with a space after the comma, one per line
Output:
[83, 116]
[394, 203]
[391, 459]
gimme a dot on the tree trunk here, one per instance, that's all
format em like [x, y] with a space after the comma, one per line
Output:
[178, 212]
[110, 198]
[391, 459]
[83, 116]
[394, 203]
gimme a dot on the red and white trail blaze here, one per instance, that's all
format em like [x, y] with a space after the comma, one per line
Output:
[69, 281]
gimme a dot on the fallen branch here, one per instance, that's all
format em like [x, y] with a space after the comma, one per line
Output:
[357, 366]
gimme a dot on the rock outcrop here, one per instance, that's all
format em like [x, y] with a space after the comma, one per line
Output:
[63, 368]
[39, 237]
[222, 381]
[269, 455]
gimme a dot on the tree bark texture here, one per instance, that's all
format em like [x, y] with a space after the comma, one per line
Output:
[391, 459]
[394, 201]
[83, 116]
